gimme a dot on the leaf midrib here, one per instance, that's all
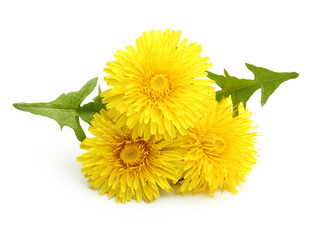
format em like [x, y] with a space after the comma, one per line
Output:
[253, 84]
[62, 109]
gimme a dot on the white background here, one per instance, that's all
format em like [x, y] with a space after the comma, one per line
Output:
[50, 47]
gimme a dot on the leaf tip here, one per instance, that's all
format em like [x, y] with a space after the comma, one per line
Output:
[263, 100]
[226, 73]
[93, 81]
[250, 67]
[17, 106]
[295, 74]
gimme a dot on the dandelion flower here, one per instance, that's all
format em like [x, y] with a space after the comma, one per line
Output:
[157, 86]
[128, 168]
[220, 151]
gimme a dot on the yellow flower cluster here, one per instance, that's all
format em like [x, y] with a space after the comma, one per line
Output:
[163, 126]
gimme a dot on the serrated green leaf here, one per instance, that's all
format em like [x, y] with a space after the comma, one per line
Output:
[65, 109]
[242, 89]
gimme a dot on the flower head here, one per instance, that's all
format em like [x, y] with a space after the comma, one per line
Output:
[128, 168]
[157, 86]
[219, 150]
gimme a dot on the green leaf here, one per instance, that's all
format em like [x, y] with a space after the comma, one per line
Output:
[88, 110]
[66, 109]
[242, 89]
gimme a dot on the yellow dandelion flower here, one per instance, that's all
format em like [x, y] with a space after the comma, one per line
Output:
[128, 168]
[220, 151]
[157, 86]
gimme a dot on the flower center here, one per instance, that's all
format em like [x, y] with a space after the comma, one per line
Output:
[131, 154]
[159, 82]
[213, 144]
